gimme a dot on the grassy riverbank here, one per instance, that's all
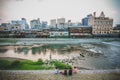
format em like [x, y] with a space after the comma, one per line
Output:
[30, 65]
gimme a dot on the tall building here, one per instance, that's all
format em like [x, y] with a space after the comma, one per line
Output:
[101, 25]
[61, 22]
[21, 22]
[6, 26]
[69, 23]
[35, 24]
[85, 20]
[44, 24]
[53, 23]
[26, 26]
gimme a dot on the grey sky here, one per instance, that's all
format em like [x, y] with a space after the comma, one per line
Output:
[52, 9]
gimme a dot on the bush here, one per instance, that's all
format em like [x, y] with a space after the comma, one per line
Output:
[15, 63]
[4, 64]
[61, 65]
[40, 62]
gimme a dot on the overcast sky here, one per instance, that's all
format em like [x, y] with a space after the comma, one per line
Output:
[52, 9]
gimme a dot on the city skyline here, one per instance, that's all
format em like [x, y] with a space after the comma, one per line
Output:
[53, 9]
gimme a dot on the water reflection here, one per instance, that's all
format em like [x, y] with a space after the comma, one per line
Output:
[61, 49]
[23, 49]
[3, 50]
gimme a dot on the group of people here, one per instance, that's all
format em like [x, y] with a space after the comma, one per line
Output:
[67, 71]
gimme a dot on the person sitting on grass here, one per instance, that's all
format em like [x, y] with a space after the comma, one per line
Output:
[70, 72]
[56, 71]
[65, 72]
[75, 70]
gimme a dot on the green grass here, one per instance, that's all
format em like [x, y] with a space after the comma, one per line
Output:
[6, 40]
[30, 65]
[61, 65]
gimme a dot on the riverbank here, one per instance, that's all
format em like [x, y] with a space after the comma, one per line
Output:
[32, 41]
[48, 75]
[30, 65]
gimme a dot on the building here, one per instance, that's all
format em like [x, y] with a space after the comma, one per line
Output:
[79, 32]
[21, 22]
[25, 24]
[2, 28]
[61, 22]
[101, 26]
[45, 32]
[56, 32]
[44, 24]
[85, 20]
[35, 24]
[116, 31]
[53, 23]
[16, 27]
[5, 26]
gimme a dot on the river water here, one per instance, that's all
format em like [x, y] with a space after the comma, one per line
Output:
[100, 55]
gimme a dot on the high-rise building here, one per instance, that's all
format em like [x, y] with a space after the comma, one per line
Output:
[61, 22]
[21, 22]
[85, 20]
[35, 24]
[53, 23]
[101, 25]
[6, 26]
[25, 23]
[44, 24]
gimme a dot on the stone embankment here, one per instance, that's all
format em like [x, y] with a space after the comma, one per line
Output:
[49, 75]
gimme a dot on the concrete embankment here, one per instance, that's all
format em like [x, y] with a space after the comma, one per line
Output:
[49, 75]
[31, 41]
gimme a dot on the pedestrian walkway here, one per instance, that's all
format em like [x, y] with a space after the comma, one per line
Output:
[49, 75]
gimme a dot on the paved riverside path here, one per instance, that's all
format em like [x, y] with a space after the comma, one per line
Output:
[49, 75]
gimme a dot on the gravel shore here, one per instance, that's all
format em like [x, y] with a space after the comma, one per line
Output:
[49, 75]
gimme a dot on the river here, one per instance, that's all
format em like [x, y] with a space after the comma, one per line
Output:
[99, 55]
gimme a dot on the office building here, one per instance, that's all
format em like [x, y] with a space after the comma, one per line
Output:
[61, 22]
[53, 23]
[35, 24]
[85, 20]
[22, 24]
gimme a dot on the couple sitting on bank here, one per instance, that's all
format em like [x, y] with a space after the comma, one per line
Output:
[66, 71]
